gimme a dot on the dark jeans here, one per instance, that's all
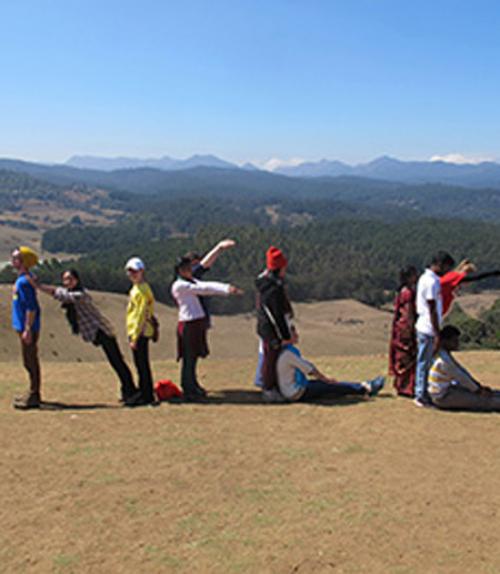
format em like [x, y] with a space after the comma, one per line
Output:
[141, 360]
[319, 389]
[189, 381]
[112, 351]
[271, 356]
[31, 362]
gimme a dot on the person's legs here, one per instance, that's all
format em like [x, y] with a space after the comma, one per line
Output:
[459, 398]
[424, 360]
[258, 379]
[188, 371]
[269, 375]
[32, 364]
[141, 360]
[319, 389]
[112, 351]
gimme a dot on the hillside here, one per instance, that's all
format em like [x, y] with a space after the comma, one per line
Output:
[336, 328]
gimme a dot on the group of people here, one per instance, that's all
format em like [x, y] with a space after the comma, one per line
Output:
[285, 374]
[421, 349]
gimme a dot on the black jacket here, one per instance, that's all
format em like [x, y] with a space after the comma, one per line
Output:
[272, 308]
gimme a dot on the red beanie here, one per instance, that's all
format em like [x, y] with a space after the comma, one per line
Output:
[275, 259]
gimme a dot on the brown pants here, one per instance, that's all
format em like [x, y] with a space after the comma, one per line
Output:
[269, 374]
[460, 399]
[31, 362]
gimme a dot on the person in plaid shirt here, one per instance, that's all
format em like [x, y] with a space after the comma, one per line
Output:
[87, 321]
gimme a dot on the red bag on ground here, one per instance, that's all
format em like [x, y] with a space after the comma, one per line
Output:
[166, 390]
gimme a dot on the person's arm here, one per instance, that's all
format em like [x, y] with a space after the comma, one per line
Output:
[28, 296]
[480, 276]
[461, 375]
[64, 295]
[211, 257]
[206, 288]
[435, 322]
[309, 369]
[137, 319]
[274, 306]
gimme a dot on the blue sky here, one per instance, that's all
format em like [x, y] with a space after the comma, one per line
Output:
[249, 80]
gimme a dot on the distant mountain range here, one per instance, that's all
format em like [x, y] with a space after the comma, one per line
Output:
[485, 174]
[99, 170]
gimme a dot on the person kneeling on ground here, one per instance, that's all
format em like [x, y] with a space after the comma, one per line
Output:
[294, 385]
[451, 386]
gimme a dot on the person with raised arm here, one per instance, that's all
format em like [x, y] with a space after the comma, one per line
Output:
[192, 325]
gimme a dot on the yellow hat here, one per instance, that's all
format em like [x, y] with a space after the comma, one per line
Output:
[30, 258]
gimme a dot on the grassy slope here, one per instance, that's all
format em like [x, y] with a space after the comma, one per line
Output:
[352, 328]
[236, 486]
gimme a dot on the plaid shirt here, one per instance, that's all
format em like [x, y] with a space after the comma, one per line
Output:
[90, 319]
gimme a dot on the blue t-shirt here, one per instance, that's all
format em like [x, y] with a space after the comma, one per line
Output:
[24, 299]
[300, 378]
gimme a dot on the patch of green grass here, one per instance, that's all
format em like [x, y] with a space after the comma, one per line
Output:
[65, 562]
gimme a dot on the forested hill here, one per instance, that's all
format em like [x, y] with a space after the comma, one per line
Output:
[392, 198]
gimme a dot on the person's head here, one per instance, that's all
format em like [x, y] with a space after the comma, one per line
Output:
[276, 261]
[135, 269]
[408, 276]
[194, 257]
[23, 258]
[294, 335]
[442, 262]
[450, 338]
[71, 279]
[184, 268]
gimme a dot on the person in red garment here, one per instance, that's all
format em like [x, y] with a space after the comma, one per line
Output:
[403, 347]
[464, 273]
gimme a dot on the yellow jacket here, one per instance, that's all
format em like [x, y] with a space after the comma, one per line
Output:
[140, 309]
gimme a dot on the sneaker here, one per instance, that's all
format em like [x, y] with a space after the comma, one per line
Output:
[134, 400]
[376, 385]
[422, 403]
[272, 396]
[27, 401]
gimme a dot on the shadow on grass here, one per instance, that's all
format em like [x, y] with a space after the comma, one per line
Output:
[59, 406]
[254, 397]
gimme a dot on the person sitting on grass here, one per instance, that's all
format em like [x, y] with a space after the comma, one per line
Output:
[451, 386]
[293, 372]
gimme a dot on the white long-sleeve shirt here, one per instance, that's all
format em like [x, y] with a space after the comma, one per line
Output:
[186, 295]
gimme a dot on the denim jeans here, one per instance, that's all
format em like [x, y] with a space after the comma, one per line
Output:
[319, 389]
[424, 362]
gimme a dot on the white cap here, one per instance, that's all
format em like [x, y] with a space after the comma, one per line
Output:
[135, 264]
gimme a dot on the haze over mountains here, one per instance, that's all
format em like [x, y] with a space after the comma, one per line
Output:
[484, 174]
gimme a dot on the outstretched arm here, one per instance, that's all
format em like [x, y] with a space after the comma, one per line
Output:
[211, 257]
[480, 276]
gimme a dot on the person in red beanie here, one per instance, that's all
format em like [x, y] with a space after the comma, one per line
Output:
[274, 313]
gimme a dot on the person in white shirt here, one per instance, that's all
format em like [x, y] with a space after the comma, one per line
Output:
[192, 325]
[428, 325]
[293, 382]
[452, 387]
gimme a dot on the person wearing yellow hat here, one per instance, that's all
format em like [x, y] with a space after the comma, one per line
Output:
[26, 322]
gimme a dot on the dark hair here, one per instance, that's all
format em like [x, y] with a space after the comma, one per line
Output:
[405, 274]
[449, 332]
[443, 258]
[182, 263]
[71, 315]
[192, 255]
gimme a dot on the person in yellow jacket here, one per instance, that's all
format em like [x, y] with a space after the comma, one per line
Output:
[140, 329]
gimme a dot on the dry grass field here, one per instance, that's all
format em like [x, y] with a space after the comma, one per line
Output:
[238, 486]
[235, 485]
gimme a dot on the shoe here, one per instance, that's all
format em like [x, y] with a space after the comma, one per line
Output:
[271, 396]
[422, 403]
[376, 385]
[201, 391]
[134, 400]
[27, 401]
